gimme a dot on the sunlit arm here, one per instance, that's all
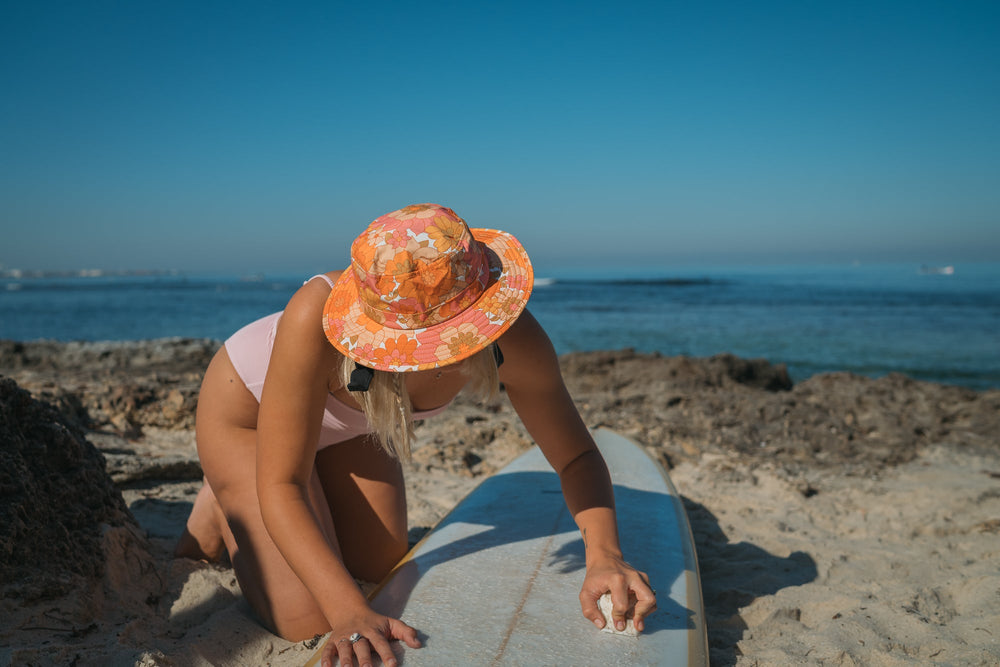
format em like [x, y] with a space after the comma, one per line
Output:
[536, 390]
[288, 427]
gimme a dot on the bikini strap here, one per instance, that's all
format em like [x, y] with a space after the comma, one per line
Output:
[324, 277]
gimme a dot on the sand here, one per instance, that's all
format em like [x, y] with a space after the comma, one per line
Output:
[838, 521]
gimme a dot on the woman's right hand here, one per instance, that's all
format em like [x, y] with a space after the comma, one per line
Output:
[376, 632]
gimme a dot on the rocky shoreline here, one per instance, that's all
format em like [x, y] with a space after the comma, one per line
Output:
[810, 503]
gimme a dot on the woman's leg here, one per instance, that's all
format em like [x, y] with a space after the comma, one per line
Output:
[227, 442]
[202, 537]
[366, 497]
[355, 485]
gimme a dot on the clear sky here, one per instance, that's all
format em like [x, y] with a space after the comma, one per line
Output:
[264, 136]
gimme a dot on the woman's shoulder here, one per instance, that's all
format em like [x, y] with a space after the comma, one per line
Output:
[305, 309]
[526, 348]
[524, 331]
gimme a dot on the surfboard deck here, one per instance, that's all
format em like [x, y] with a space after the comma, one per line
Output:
[497, 581]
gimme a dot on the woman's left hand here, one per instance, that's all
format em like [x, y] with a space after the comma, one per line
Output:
[631, 596]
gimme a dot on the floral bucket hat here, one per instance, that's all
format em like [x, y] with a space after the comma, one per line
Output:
[425, 291]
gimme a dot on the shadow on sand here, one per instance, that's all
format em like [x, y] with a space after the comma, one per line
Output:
[735, 574]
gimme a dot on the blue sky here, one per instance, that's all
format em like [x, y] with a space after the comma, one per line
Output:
[262, 137]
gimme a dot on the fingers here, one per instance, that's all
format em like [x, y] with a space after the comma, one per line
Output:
[403, 632]
[374, 641]
[588, 604]
[363, 652]
[620, 604]
[384, 650]
[347, 651]
[329, 650]
[645, 604]
[630, 596]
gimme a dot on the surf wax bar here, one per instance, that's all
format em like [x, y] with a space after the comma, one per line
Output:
[604, 604]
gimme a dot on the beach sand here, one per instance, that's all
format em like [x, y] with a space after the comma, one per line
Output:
[838, 521]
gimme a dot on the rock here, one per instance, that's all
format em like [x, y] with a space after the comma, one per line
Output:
[753, 372]
[173, 355]
[682, 406]
[163, 455]
[686, 406]
[56, 501]
[126, 385]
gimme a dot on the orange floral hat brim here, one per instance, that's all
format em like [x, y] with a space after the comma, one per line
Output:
[352, 329]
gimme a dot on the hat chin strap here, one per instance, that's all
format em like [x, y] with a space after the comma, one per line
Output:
[361, 378]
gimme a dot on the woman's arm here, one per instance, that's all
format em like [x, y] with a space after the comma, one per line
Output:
[288, 423]
[291, 409]
[536, 389]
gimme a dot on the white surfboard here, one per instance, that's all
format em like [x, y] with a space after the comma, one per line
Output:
[497, 581]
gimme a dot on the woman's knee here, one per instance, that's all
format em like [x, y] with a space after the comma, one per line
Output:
[293, 616]
[375, 564]
[287, 609]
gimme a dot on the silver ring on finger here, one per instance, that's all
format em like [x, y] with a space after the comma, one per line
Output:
[355, 638]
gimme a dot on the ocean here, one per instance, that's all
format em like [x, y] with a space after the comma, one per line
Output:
[931, 324]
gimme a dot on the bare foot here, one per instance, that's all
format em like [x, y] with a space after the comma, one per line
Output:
[202, 537]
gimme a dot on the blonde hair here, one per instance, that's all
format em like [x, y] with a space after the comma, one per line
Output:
[387, 404]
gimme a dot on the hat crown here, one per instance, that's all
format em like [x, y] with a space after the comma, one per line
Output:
[424, 291]
[418, 266]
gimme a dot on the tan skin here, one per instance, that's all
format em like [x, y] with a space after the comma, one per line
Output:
[301, 525]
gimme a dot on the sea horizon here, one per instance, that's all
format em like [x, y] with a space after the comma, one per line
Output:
[936, 322]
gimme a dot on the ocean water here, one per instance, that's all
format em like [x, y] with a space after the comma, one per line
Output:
[867, 319]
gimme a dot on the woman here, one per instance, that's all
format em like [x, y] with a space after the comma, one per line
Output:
[304, 416]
